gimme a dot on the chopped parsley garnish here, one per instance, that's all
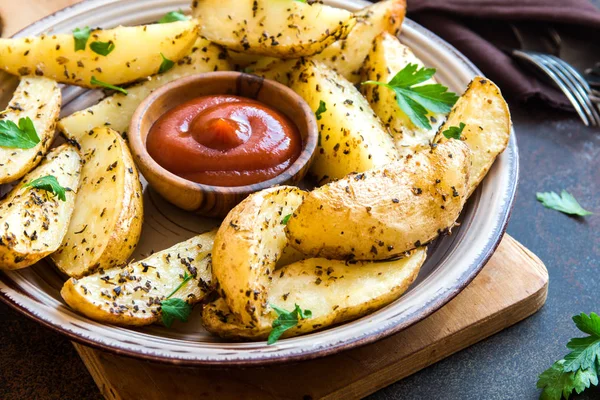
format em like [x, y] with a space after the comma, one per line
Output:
[102, 48]
[564, 203]
[322, 108]
[96, 82]
[417, 101]
[81, 36]
[172, 309]
[165, 65]
[578, 370]
[454, 132]
[286, 219]
[173, 16]
[50, 184]
[22, 136]
[286, 320]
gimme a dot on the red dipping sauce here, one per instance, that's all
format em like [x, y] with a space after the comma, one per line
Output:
[224, 141]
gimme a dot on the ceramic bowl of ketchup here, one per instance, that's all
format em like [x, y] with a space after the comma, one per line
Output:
[207, 141]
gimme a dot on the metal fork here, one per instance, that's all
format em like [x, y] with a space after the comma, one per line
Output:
[568, 80]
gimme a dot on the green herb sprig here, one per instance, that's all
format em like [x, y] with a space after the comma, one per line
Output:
[320, 110]
[174, 308]
[173, 16]
[22, 136]
[286, 219]
[102, 48]
[50, 184]
[81, 37]
[454, 132]
[96, 82]
[564, 203]
[165, 65]
[286, 320]
[417, 101]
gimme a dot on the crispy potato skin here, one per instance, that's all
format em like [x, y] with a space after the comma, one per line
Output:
[352, 137]
[488, 125]
[348, 55]
[248, 245]
[136, 303]
[40, 100]
[108, 217]
[118, 108]
[136, 54]
[387, 57]
[32, 221]
[294, 29]
[322, 286]
[384, 212]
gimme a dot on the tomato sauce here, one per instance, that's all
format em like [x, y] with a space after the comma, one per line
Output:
[224, 141]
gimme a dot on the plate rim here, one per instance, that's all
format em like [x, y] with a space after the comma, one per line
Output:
[427, 309]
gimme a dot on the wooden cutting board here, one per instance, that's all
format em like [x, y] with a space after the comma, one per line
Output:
[512, 286]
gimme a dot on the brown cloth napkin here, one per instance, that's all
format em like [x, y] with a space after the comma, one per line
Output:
[461, 22]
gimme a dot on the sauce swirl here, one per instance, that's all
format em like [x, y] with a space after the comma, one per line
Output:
[224, 140]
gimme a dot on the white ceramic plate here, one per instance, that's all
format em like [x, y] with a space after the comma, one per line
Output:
[453, 261]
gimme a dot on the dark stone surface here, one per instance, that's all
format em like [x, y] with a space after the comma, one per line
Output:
[557, 152]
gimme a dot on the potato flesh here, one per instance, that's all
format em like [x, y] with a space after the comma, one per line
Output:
[39, 99]
[348, 55]
[33, 221]
[352, 137]
[488, 125]
[136, 55]
[285, 29]
[131, 295]
[387, 57]
[248, 245]
[323, 287]
[107, 221]
[116, 110]
[384, 212]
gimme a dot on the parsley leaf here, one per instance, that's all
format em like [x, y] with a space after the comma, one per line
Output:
[102, 48]
[564, 203]
[454, 132]
[302, 1]
[173, 16]
[165, 65]
[322, 108]
[22, 136]
[286, 219]
[81, 36]
[286, 320]
[416, 101]
[50, 184]
[96, 82]
[172, 309]
[579, 369]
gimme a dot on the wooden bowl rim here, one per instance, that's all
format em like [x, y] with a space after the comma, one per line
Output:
[141, 155]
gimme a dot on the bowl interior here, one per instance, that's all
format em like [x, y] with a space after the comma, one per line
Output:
[452, 261]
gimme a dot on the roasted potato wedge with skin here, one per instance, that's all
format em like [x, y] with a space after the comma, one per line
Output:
[284, 29]
[334, 291]
[387, 57]
[107, 221]
[248, 245]
[351, 137]
[131, 295]
[274, 69]
[136, 55]
[348, 55]
[116, 110]
[384, 212]
[33, 222]
[39, 99]
[487, 121]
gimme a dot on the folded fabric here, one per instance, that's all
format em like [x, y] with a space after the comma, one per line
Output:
[458, 22]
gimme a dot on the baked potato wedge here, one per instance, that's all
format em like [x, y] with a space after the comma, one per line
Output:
[38, 99]
[351, 137]
[248, 245]
[387, 211]
[284, 29]
[487, 129]
[136, 54]
[346, 56]
[107, 221]
[33, 221]
[131, 295]
[116, 110]
[387, 57]
[323, 287]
